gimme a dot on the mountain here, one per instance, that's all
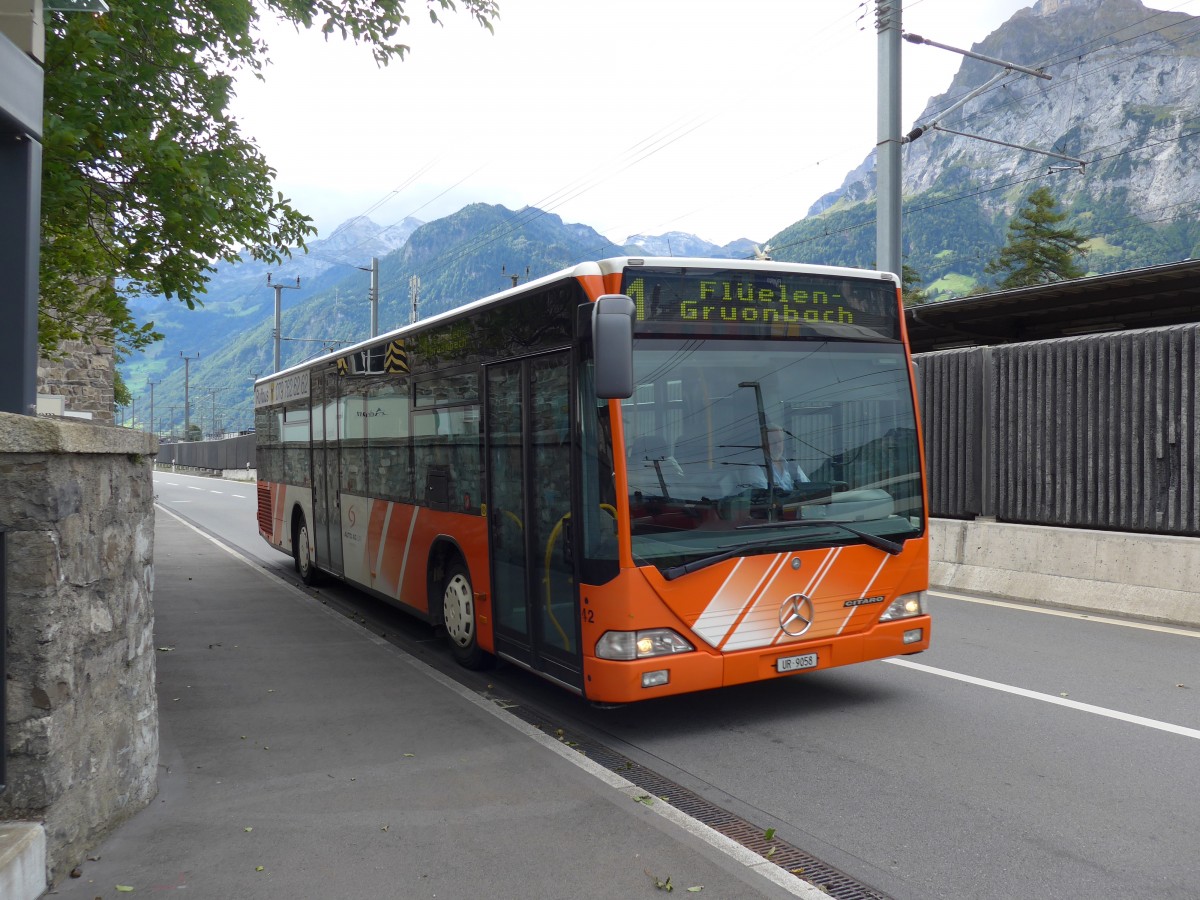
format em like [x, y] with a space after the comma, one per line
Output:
[470, 254]
[457, 259]
[1124, 97]
[238, 293]
[679, 243]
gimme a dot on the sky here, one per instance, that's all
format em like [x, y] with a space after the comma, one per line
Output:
[726, 119]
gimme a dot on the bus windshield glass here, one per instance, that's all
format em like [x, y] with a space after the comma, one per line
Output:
[731, 441]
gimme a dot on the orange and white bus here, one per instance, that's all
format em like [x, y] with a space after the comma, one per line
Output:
[635, 477]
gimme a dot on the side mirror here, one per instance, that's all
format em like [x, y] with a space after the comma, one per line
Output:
[612, 346]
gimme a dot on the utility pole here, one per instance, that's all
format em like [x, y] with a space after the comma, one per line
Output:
[150, 384]
[187, 405]
[373, 295]
[214, 392]
[174, 413]
[515, 276]
[279, 289]
[888, 245]
[414, 291]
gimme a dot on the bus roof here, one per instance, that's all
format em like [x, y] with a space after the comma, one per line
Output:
[610, 266]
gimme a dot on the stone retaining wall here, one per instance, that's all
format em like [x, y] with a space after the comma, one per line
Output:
[76, 502]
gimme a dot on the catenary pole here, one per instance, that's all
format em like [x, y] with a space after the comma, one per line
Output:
[887, 149]
[187, 405]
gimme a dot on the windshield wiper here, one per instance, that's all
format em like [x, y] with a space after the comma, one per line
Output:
[703, 563]
[873, 540]
[732, 550]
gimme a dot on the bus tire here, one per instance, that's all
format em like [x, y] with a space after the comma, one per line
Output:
[302, 551]
[459, 618]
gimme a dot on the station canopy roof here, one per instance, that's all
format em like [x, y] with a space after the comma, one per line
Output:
[1138, 298]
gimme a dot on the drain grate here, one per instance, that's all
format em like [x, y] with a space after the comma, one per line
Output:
[791, 859]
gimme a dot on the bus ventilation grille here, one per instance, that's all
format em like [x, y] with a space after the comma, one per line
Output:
[264, 508]
[791, 859]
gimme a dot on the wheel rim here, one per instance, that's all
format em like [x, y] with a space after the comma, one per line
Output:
[458, 606]
[304, 550]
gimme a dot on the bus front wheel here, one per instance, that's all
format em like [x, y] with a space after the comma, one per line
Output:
[458, 616]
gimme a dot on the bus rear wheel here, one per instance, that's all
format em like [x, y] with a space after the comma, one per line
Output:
[302, 553]
[458, 617]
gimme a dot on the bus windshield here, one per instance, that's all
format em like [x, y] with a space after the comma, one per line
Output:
[734, 441]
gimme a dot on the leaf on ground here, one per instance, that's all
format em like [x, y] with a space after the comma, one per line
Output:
[410, 755]
[163, 650]
[644, 798]
[695, 889]
[770, 853]
[659, 883]
[769, 834]
[124, 888]
[248, 828]
[259, 868]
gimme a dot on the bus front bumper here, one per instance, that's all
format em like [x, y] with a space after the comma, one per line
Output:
[614, 681]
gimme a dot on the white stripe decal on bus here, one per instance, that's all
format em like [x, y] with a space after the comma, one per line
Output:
[407, 546]
[749, 631]
[387, 518]
[709, 625]
[883, 562]
[773, 569]
[810, 589]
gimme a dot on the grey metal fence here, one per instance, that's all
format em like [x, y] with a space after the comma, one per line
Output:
[1096, 431]
[228, 453]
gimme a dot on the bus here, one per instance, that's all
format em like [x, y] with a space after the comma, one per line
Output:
[636, 477]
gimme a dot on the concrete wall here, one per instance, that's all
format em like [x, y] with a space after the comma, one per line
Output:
[1106, 572]
[76, 502]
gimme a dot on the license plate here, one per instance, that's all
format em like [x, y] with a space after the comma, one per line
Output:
[794, 663]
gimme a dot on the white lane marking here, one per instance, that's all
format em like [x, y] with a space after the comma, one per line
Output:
[192, 487]
[1049, 698]
[216, 492]
[239, 496]
[1071, 614]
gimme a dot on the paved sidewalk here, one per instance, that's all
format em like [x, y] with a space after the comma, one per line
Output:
[303, 757]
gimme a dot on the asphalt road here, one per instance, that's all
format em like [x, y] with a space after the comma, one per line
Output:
[1028, 753]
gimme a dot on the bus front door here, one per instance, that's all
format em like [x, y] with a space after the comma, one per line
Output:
[535, 603]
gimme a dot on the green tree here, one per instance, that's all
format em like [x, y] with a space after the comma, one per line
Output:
[1038, 249]
[147, 180]
[910, 287]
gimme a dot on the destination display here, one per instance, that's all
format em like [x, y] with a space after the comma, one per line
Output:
[742, 303]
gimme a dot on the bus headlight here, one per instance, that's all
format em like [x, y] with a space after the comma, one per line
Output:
[905, 607]
[641, 644]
